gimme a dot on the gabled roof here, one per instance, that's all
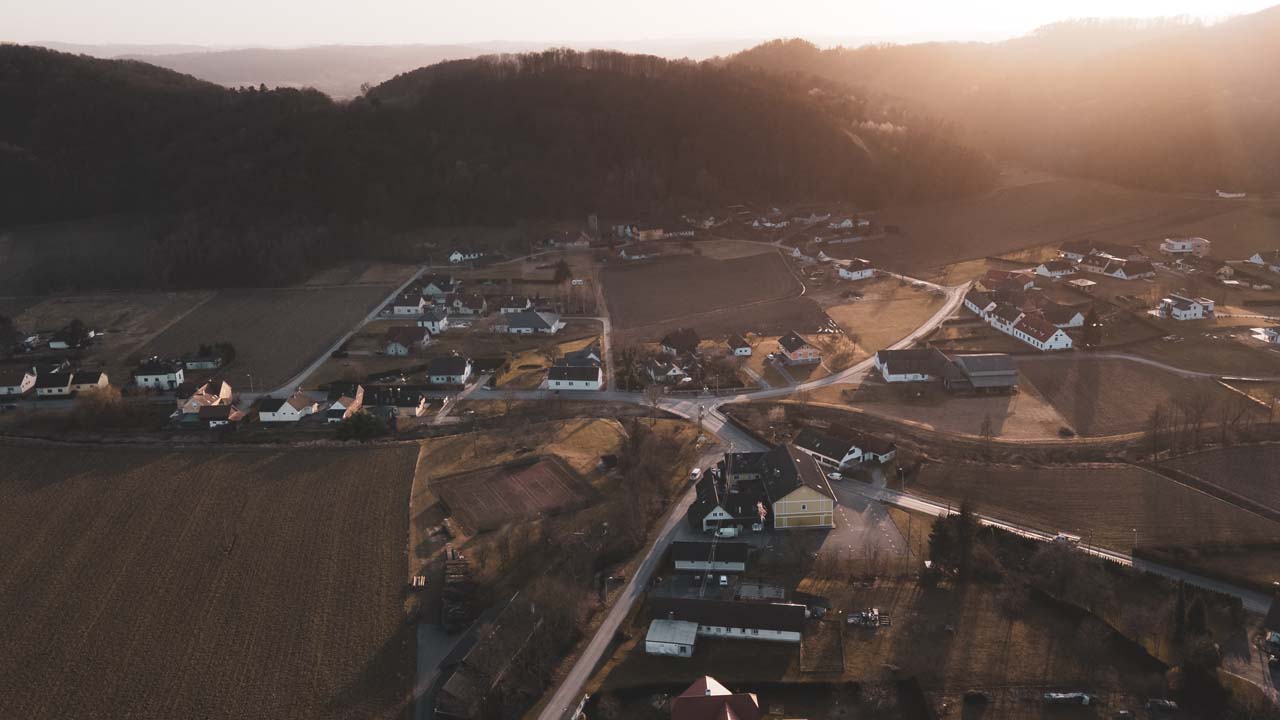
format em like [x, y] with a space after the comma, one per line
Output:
[787, 468]
[986, 363]
[1057, 265]
[1060, 314]
[590, 373]
[681, 340]
[86, 377]
[409, 299]
[823, 444]
[1037, 327]
[53, 380]
[707, 699]
[1007, 312]
[13, 376]
[447, 365]
[156, 366]
[925, 361]
[435, 313]
[220, 412]
[1271, 257]
[792, 342]
[727, 613]
[533, 319]
[737, 341]
[406, 335]
[978, 298]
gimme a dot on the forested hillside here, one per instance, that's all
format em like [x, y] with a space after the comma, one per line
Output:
[256, 180]
[1164, 104]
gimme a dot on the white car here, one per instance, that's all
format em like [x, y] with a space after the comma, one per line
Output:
[695, 474]
[834, 476]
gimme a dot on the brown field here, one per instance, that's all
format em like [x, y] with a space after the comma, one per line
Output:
[236, 584]
[276, 332]
[1101, 503]
[1217, 352]
[487, 499]
[1111, 397]
[774, 318]
[1247, 470]
[579, 442]
[363, 273]
[729, 249]
[887, 312]
[1026, 216]
[668, 289]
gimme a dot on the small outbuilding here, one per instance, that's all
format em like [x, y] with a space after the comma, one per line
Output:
[671, 637]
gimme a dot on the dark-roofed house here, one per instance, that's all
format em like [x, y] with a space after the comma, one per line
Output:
[707, 699]
[1055, 268]
[988, 372]
[680, 341]
[290, 409]
[435, 319]
[1129, 269]
[717, 507]
[82, 380]
[797, 489]
[575, 377]
[437, 286]
[449, 370]
[216, 416]
[408, 303]
[508, 304]
[158, 374]
[406, 340]
[528, 322]
[16, 381]
[345, 406]
[1075, 249]
[739, 346]
[778, 622]
[843, 448]
[744, 465]
[797, 350]
[978, 302]
[710, 556]
[585, 357]
[53, 385]
[913, 365]
[1063, 316]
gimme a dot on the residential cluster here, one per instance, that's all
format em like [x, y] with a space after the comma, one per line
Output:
[979, 373]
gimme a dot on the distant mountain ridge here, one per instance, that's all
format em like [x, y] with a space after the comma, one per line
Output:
[1169, 104]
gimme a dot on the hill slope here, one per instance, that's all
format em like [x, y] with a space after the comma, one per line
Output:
[274, 178]
[1163, 104]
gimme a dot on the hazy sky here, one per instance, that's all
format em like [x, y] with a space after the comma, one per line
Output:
[306, 22]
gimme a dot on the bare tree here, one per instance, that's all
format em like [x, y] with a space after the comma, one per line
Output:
[653, 395]
[1155, 429]
[987, 431]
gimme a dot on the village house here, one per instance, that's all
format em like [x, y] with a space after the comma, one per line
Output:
[469, 304]
[1063, 316]
[1075, 250]
[1197, 246]
[1004, 317]
[216, 416]
[1055, 268]
[798, 492]
[513, 304]
[190, 396]
[727, 619]
[588, 356]
[462, 255]
[1129, 269]
[979, 303]
[1096, 264]
[438, 286]
[1041, 334]
[1083, 285]
[16, 382]
[738, 346]
[665, 372]
[674, 638]
[680, 341]
[408, 304]
[54, 385]
[529, 322]
[717, 506]
[729, 557]
[707, 699]
[913, 365]
[286, 410]
[403, 341]
[157, 374]
[848, 449]
[345, 406]
[212, 361]
[797, 350]
[82, 380]
[1181, 307]
[1269, 259]
[435, 319]
[568, 377]
[855, 269]
[449, 370]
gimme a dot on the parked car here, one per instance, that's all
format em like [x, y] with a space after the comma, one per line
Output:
[727, 532]
[835, 476]
[1069, 698]
[1161, 705]
[695, 474]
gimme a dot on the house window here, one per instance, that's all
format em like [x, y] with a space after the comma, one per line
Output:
[755, 631]
[803, 507]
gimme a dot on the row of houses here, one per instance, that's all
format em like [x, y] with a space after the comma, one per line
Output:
[1032, 326]
[782, 488]
[48, 381]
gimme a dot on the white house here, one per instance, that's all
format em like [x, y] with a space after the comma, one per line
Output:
[286, 410]
[730, 557]
[1181, 307]
[739, 347]
[528, 322]
[663, 372]
[435, 319]
[1129, 269]
[345, 406]
[53, 385]
[1063, 316]
[1269, 259]
[16, 382]
[830, 452]
[913, 365]
[673, 638]
[777, 622]
[1197, 246]
[979, 303]
[403, 341]
[575, 377]
[449, 370]
[514, 304]
[855, 269]
[460, 255]
[158, 374]
[1041, 334]
[1055, 268]
[438, 285]
[408, 304]
[469, 304]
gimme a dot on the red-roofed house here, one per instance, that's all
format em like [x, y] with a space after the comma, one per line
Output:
[1041, 334]
[707, 699]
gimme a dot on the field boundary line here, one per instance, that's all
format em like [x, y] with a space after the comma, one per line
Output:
[1214, 490]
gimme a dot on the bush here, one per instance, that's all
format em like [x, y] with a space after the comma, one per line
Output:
[362, 426]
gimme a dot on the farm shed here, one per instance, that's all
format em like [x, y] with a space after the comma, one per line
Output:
[777, 622]
[671, 637]
[987, 372]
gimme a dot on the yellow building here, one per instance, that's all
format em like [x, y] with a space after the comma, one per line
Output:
[798, 492]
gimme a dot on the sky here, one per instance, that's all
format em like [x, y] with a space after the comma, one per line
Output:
[292, 23]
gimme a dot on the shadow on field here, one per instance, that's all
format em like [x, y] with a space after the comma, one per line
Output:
[384, 686]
